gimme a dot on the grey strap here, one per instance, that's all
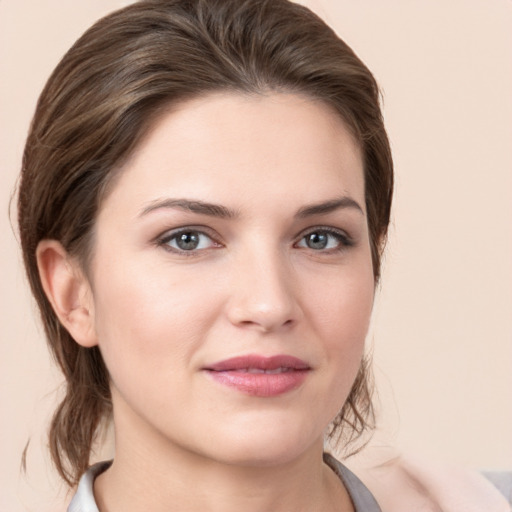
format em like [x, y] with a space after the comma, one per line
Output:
[361, 497]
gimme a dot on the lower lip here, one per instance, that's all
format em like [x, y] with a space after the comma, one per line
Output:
[260, 384]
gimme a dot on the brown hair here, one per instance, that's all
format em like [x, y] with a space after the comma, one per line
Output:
[100, 100]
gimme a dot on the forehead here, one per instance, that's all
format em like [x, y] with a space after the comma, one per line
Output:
[238, 147]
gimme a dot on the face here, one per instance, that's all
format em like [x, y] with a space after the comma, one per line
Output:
[231, 279]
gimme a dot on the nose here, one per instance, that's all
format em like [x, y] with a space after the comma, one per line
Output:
[264, 296]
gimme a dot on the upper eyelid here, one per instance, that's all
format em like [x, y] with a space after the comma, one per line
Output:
[204, 230]
[328, 229]
[163, 240]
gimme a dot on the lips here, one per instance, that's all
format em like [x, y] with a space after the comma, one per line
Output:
[260, 376]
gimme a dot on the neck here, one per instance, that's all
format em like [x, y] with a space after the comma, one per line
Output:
[175, 479]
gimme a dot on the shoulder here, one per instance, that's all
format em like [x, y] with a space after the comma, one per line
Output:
[403, 483]
[502, 480]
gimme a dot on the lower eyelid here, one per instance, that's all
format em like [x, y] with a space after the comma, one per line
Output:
[165, 239]
[342, 237]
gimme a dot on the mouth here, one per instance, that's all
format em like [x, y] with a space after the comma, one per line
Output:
[259, 375]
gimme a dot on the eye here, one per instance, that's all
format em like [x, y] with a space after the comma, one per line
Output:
[187, 240]
[324, 240]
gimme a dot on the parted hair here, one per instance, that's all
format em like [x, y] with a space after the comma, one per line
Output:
[101, 99]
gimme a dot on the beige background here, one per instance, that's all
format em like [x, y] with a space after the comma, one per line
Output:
[442, 333]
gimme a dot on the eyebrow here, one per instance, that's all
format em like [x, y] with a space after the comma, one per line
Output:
[326, 207]
[201, 207]
[220, 211]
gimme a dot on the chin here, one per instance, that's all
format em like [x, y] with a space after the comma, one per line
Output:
[271, 445]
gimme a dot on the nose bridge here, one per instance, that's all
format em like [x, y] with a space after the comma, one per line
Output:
[263, 293]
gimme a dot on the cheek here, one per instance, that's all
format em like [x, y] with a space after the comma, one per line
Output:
[144, 319]
[343, 312]
[343, 303]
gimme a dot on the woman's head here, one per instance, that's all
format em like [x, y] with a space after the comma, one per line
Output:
[118, 80]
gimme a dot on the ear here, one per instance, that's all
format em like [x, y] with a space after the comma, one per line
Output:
[68, 291]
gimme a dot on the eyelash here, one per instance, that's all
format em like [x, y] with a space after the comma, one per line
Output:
[164, 240]
[343, 240]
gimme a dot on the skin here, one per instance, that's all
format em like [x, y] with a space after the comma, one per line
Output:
[255, 284]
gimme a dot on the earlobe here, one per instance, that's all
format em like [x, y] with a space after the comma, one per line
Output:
[68, 291]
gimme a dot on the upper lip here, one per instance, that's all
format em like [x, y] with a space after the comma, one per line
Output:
[254, 361]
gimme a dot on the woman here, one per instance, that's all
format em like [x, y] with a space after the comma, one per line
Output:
[204, 201]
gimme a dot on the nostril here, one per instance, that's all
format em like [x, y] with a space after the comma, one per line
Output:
[266, 324]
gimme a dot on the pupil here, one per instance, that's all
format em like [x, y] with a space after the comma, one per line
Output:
[317, 240]
[188, 241]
